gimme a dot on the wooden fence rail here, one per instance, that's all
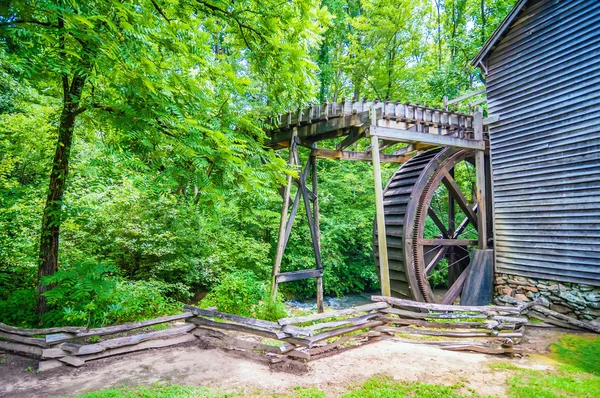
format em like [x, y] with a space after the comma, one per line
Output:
[487, 329]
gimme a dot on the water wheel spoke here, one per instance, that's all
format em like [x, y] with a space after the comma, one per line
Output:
[439, 256]
[447, 242]
[454, 190]
[456, 288]
[438, 223]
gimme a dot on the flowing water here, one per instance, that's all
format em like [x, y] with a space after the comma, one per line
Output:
[333, 302]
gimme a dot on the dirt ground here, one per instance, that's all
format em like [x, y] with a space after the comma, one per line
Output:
[232, 371]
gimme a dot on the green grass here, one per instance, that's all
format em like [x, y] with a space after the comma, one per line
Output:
[386, 387]
[158, 391]
[577, 373]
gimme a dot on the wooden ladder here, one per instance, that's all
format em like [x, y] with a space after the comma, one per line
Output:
[285, 226]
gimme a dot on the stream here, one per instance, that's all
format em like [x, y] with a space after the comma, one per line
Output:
[333, 302]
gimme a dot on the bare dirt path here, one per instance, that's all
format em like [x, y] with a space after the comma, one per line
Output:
[230, 371]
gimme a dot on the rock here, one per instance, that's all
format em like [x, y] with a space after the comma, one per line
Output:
[571, 298]
[592, 312]
[520, 278]
[543, 301]
[517, 282]
[541, 286]
[532, 282]
[499, 289]
[531, 288]
[594, 305]
[587, 317]
[499, 281]
[560, 308]
[546, 293]
[50, 364]
[507, 291]
[562, 288]
[553, 288]
[531, 295]
[521, 297]
[594, 297]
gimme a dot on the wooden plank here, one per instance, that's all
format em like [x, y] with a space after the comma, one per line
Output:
[73, 361]
[333, 127]
[447, 242]
[341, 331]
[128, 340]
[331, 346]
[33, 332]
[268, 325]
[425, 315]
[49, 365]
[358, 156]
[251, 330]
[442, 307]
[454, 190]
[384, 270]
[186, 338]
[465, 96]
[21, 348]
[413, 137]
[53, 352]
[59, 338]
[299, 275]
[424, 332]
[281, 241]
[300, 354]
[356, 133]
[17, 338]
[350, 321]
[317, 220]
[567, 319]
[480, 182]
[333, 314]
[442, 325]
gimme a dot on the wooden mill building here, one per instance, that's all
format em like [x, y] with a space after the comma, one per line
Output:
[542, 68]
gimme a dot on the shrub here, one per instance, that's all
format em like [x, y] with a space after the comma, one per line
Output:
[242, 293]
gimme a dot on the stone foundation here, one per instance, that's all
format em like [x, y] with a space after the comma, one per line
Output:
[581, 301]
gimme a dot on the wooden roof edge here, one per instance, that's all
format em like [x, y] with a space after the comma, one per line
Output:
[497, 35]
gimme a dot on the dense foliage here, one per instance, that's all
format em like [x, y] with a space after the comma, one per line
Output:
[160, 186]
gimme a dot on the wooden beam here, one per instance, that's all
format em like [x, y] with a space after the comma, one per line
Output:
[333, 314]
[317, 131]
[480, 182]
[356, 133]
[465, 96]
[384, 271]
[454, 190]
[299, 275]
[441, 307]
[359, 156]
[283, 221]
[316, 216]
[412, 137]
[447, 242]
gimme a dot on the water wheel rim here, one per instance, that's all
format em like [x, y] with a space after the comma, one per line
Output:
[437, 173]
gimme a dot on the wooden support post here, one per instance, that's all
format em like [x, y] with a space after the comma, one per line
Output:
[313, 168]
[283, 222]
[381, 238]
[480, 178]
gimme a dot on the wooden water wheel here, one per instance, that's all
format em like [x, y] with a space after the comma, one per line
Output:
[431, 225]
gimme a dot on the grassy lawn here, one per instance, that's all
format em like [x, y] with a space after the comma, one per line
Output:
[577, 374]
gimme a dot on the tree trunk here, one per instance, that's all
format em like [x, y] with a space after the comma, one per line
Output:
[51, 220]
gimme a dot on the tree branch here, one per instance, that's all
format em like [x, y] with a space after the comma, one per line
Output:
[25, 21]
[160, 10]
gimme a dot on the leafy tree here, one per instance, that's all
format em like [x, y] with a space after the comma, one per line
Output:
[172, 78]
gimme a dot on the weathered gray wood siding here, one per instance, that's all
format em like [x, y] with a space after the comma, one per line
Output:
[544, 83]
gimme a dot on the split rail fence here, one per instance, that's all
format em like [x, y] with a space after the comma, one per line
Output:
[486, 329]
